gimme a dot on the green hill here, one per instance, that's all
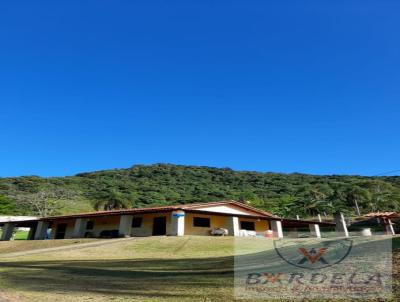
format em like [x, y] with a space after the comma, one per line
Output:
[163, 184]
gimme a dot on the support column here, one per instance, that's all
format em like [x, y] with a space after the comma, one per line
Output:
[389, 227]
[7, 231]
[315, 231]
[341, 227]
[177, 223]
[125, 226]
[31, 234]
[276, 226]
[79, 228]
[233, 226]
[41, 230]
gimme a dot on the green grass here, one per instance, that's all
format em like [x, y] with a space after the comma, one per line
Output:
[139, 269]
[21, 235]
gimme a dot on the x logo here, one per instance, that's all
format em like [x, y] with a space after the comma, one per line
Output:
[272, 278]
[313, 256]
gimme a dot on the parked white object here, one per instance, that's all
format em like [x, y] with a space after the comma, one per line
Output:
[219, 232]
[251, 233]
[246, 233]
[366, 232]
[243, 233]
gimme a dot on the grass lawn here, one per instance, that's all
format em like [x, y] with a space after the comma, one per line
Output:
[21, 235]
[137, 269]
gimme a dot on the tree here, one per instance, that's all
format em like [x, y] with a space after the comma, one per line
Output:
[248, 196]
[285, 206]
[110, 201]
[357, 197]
[380, 194]
[7, 206]
[314, 200]
[44, 202]
[164, 184]
[338, 200]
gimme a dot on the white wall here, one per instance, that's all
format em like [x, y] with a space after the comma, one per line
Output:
[227, 209]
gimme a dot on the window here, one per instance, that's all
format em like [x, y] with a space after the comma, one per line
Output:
[201, 222]
[247, 225]
[89, 225]
[137, 222]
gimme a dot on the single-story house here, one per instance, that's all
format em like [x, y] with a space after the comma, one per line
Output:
[186, 219]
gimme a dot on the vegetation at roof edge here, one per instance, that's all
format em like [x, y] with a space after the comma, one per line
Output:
[166, 184]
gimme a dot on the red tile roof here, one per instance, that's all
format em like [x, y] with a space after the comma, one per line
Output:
[383, 215]
[192, 206]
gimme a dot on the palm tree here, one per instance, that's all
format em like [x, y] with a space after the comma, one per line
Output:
[111, 200]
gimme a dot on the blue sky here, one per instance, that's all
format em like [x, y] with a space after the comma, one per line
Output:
[282, 86]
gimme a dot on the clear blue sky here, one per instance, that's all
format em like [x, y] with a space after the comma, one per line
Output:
[284, 86]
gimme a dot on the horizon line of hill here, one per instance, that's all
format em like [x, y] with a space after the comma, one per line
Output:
[282, 194]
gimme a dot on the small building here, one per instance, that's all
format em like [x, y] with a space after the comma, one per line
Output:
[231, 217]
[385, 219]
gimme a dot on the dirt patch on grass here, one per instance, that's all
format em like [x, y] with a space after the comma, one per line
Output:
[29, 245]
[8, 297]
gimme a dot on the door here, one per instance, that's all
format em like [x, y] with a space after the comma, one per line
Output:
[60, 231]
[159, 226]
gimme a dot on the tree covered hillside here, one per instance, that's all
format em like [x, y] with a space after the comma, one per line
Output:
[164, 184]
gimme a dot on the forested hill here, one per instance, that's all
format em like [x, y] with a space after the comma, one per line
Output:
[163, 184]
